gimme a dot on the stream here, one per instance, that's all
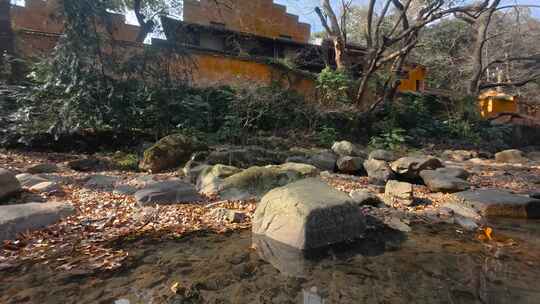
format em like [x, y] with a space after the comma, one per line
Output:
[431, 264]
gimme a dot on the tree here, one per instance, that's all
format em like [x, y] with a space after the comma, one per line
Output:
[391, 32]
[336, 29]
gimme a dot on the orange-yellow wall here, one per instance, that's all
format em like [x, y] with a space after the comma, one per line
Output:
[414, 74]
[37, 29]
[259, 17]
[490, 107]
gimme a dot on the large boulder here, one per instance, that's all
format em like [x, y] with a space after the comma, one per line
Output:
[510, 156]
[410, 167]
[211, 177]
[101, 182]
[324, 160]
[350, 164]
[167, 192]
[440, 181]
[454, 172]
[378, 171]
[498, 203]
[254, 182]
[534, 156]
[308, 214]
[27, 180]
[15, 219]
[384, 155]
[346, 148]
[246, 157]
[9, 185]
[171, 152]
[87, 164]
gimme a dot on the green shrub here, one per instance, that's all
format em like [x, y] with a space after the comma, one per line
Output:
[333, 86]
[326, 136]
[126, 161]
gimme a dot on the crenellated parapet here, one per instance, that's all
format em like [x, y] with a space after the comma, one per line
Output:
[258, 17]
[44, 16]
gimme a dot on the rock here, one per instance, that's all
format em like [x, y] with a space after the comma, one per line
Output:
[438, 181]
[254, 182]
[397, 224]
[534, 156]
[15, 219]
[193, 169]
[399, 191]
[101, 182]
[288, 260]
[168, 192]
[211, 177]
[510, 156]
[410, 167]
[346, 148]
[246, 157]
[9, 185]
[227, 215]
[43, 168]
[325, 160]
[462, 211]
[498, 203]
[364, 197]
[124, 190]
[378, 171]
[170, 152]
[308, 214]
[350, 164]
[466, 223]
[86, 164]
[459, 155]
[454, 172]
[29, 180]
[384, 155]
[46, 187]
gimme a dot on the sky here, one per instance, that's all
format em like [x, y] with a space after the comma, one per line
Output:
[305, 9]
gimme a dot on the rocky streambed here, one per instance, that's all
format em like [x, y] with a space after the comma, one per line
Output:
[248, 225]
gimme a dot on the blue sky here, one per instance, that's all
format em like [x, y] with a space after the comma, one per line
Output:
[304, 9]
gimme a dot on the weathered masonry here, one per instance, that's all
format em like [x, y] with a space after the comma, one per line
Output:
[231, 42]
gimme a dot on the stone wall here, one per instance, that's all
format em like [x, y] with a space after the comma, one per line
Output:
[258, 17]
[37, 28]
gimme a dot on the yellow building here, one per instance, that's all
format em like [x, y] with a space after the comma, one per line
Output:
[413, 78]
[493, 102]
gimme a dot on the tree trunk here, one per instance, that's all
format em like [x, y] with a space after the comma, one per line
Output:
[482, 27]
[340, 54]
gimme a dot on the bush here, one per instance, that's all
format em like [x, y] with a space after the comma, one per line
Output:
[334, 86]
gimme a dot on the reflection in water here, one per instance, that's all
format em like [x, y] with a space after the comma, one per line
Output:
[433, 264]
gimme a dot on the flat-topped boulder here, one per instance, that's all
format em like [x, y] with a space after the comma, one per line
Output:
[43, 168]
[400, 192]
[9, 185]
[444, 181]
[308, 214]
[15, 219]
[498, 203]
[166, 193]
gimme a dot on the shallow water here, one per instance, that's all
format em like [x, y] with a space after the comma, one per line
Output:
[432, 264]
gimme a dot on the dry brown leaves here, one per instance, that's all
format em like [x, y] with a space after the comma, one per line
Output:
[92, 238]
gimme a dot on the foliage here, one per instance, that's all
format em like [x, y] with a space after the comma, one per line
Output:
[416, 119]
[126, 161]
[334, 86]
[326, 136]
[393, 139]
